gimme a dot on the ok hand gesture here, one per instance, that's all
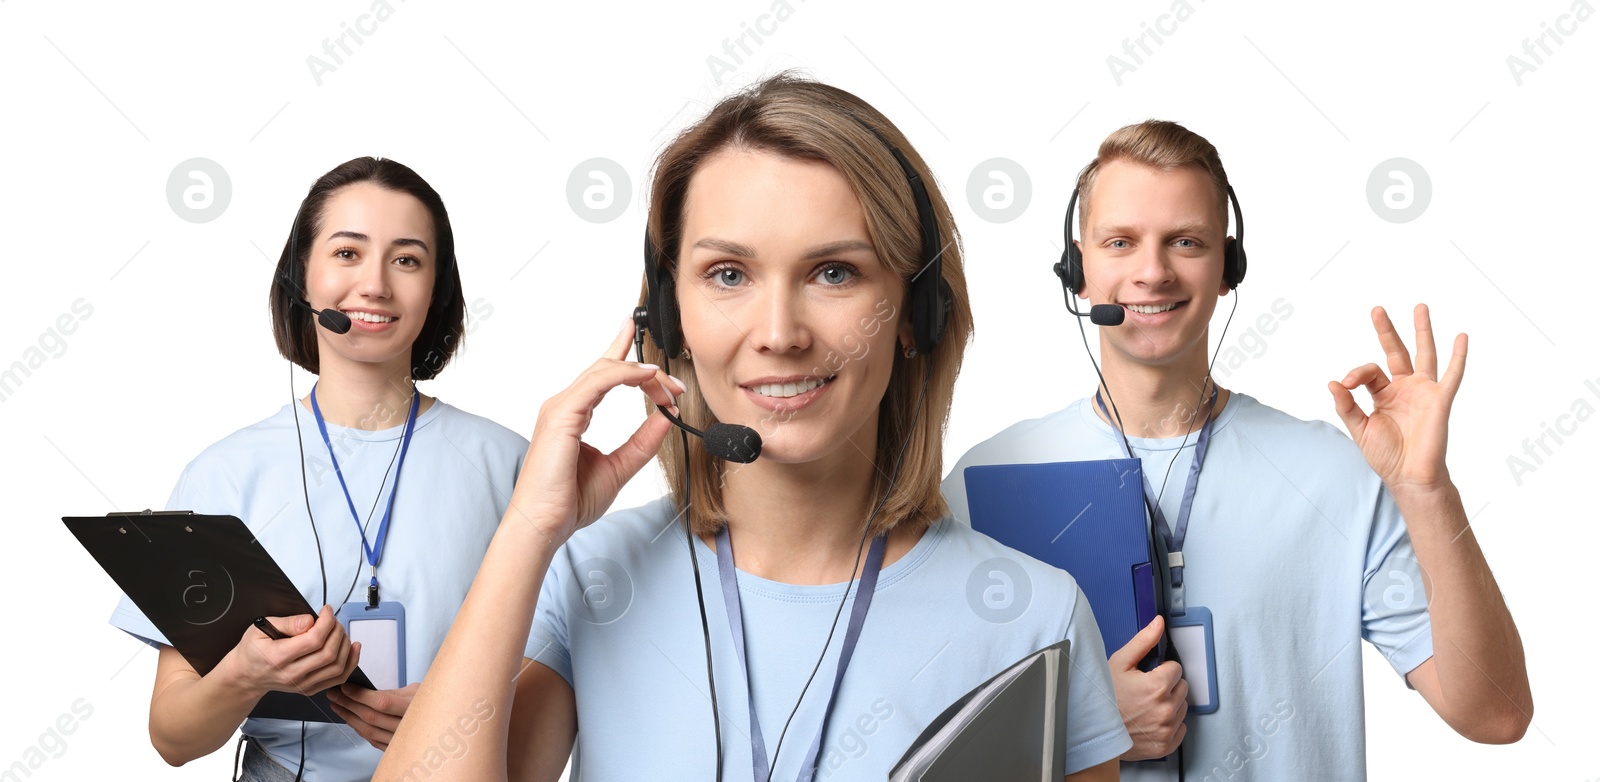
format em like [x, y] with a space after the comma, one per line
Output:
[1403, 439]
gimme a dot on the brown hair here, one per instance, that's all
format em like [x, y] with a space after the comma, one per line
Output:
[803, 119]
[292, 326]
[1159, 144]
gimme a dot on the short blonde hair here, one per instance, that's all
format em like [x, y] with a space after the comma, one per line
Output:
[1159, 144]
[807, 120]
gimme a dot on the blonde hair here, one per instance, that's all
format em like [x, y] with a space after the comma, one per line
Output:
[1159, 144]
[803, 119]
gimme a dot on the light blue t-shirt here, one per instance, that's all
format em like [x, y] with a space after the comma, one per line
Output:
[1299, 552]
[617, 617]
[456, 483]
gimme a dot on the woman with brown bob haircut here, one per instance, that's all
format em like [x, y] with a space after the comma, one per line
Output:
[790, 285]
[365, 490]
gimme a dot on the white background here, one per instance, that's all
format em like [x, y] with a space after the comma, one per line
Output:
[496, 107]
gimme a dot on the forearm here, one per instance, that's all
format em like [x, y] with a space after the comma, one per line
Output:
[1477, 652]
[1109, 771]
[473, 676]
[192, 717]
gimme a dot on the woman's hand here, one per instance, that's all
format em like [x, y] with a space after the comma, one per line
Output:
[373, 714]
[566, 483]
[316, 655]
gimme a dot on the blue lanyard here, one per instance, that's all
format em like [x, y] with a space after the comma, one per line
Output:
[374, 553]
[858, 616]
[1173, 536]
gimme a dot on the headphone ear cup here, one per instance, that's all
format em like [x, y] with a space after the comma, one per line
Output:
[928, 325]
[1074, 276]
[930, 301]
[661, 303]
[1233, 263]
[664, 324]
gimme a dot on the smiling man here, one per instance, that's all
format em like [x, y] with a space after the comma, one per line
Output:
[1291, 540]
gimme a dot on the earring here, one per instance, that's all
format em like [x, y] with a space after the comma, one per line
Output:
[910, 351]
[686, 353]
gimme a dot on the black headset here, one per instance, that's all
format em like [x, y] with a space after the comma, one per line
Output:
[928, 293]
[1070, 269]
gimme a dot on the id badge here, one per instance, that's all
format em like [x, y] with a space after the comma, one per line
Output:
[1197, 650]
[382, 633]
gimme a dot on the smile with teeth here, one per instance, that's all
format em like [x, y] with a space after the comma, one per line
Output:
[370, 317]
[1152, 309]
[786, 390]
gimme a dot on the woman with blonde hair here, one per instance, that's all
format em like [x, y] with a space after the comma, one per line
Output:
[803, 279]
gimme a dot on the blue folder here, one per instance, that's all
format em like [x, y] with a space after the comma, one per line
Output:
[1087, 518]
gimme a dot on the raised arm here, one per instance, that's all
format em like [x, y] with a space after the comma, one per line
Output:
[1477, 679]
[480, 681]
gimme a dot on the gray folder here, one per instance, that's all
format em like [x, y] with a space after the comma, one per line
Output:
[1011, 728]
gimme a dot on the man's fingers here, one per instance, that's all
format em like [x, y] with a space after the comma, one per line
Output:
[1393, 346]
[1128, 657]
[1168, 674]
[1458, 366]
[1344, 403]
[1427, 353]
[1369, 375]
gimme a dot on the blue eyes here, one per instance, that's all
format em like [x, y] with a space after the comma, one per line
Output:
[833, 275]
[1186, 244]
[836, 274]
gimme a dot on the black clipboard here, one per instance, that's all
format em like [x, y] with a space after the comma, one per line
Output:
[201, 580]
